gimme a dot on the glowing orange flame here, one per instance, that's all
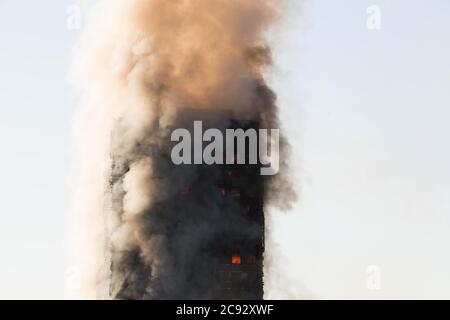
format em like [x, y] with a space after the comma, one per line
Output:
[236, 259]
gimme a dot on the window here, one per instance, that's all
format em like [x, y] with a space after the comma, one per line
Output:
[236, 259]
[251, 260]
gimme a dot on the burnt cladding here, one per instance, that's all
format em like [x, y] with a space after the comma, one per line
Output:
[238, 253]
[209, 234]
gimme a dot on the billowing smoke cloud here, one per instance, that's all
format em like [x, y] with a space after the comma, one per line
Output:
[144, 68]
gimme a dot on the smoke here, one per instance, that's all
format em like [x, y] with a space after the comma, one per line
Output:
[144, 68]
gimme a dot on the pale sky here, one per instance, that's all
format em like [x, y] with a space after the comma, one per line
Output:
[366, 112]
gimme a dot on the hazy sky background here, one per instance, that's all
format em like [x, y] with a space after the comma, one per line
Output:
[367, 113]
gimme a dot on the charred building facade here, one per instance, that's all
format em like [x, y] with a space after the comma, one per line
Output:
[238, 256]
[205, 236]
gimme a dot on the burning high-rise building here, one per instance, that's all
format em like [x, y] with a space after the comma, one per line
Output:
[151, 229]
[211, 229]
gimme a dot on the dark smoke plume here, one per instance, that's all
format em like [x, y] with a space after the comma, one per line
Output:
[144, 68]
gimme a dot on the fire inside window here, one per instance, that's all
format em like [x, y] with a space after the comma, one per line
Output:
[236, 259]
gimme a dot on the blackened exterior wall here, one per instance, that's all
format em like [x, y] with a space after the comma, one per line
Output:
[211, 233]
